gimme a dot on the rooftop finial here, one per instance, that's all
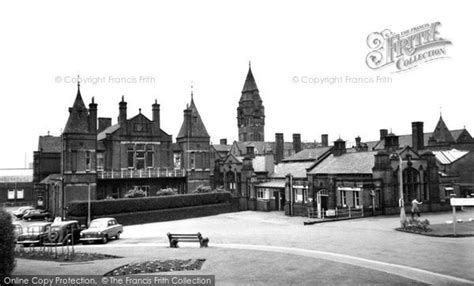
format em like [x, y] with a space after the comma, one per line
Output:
[78, 84]
[156, 101]
[250, 64]
[440, 111]
[93, 100]
[123, 98]
[140, 110]
[192, 90]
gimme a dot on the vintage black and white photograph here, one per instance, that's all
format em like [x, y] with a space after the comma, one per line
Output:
[236, 143]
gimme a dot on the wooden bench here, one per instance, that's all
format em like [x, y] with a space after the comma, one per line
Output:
[174, 238]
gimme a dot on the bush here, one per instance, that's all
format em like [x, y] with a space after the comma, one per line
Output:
[416, 225]
[202, 189]
[7, 245]
[135, 193]
[167, 192]
[110, 207]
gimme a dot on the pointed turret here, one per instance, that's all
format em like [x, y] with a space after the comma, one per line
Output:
[78, 115]
[251, 112]
[441, 133]
[192, 126]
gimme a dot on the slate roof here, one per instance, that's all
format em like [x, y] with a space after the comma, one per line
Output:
[78, 116]
[222, 148]
[49, 144]
[406, 140]
[348, 163]
[308, 154]
[250, 84]
[296, 169]
[447, 157]
[109, 130]
[50, 179]
[441, 132]
[197, 126]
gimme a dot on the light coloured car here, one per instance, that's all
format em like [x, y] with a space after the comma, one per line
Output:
[21, 211]
[35, 234]
[102, 230]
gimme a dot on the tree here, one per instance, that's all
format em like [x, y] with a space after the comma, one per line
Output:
[7, 245]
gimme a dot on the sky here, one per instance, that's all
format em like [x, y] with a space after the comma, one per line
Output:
[147, 50]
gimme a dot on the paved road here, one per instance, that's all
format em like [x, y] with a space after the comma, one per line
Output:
[370, 243]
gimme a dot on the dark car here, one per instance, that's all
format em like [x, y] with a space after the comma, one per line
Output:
[36, 214]
[63, 232]
[101, 229]
[35, 234]
[22, 210]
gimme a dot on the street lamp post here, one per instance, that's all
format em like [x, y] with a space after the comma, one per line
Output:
[400, 185]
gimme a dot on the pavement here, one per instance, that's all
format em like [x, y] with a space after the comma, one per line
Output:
[270, 248]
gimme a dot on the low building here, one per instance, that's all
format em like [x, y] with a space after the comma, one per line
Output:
[16, 187]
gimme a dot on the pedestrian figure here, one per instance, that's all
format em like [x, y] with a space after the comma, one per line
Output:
[415, 208]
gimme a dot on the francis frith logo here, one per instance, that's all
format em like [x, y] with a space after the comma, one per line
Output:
[407, 49]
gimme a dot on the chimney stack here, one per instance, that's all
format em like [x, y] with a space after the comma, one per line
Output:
[324, 140]
[188, 121]
[339, 147]
[391, 142]
[104, 123]
[358, 145]
[279, 147]
[223, 141]
[122, 120]
[156, 117]
[93, 116]
[297, 142]
[417, 136]
[383, 133]
[250, 151]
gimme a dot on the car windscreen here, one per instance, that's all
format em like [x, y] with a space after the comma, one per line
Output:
[98, 224]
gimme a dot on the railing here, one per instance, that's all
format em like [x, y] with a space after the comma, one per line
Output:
[349, 212]
[143, 173]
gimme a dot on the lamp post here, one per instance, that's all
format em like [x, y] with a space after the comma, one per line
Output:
[400, 185]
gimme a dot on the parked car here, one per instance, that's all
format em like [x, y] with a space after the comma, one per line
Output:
[101, 229]
[35, 234]
[17, 230]
[22, 210]
[63, 232]
[36, 214]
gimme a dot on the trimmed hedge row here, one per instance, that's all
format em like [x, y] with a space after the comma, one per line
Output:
[111, 207]
[167, 214]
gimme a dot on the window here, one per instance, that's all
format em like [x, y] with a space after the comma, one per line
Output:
[74, 161]
[356, 199]
[11, 194]
[177, 160]
[130, 159]
[88, 160]
[411, 184]
[20, 194]
[299, 195]
[192, 160]
[100, 161]
[343, 198]
[260, 193]
[149, 159]
[140, 159]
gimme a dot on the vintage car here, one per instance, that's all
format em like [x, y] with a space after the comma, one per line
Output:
[35, 234]
[22, 210]
[62, 233]
[101, 229]
[36, 215]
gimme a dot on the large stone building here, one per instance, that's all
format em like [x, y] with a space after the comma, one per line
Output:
[94, 159]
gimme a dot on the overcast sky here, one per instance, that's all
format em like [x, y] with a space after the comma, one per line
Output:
[161, 47]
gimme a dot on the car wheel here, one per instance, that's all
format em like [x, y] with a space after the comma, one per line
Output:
[105, 239]
[117, 236]
[29, 219]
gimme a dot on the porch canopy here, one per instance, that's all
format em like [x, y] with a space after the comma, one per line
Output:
[272, 185]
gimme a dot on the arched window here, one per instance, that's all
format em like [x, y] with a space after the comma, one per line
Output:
[230, 181]
[411, 184]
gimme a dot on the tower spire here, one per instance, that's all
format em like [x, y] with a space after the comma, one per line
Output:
[192, 90]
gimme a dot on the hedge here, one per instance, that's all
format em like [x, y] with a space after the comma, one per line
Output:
[166, 214]
[130, 205]
[7, 245]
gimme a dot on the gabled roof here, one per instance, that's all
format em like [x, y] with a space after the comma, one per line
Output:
[197, 125]
[49, 144]
[222, 148]
[348, 163]
[51, 179]
[308, 154]
[406, 140]
[441, 132]
[78, 121]
[447, 157]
